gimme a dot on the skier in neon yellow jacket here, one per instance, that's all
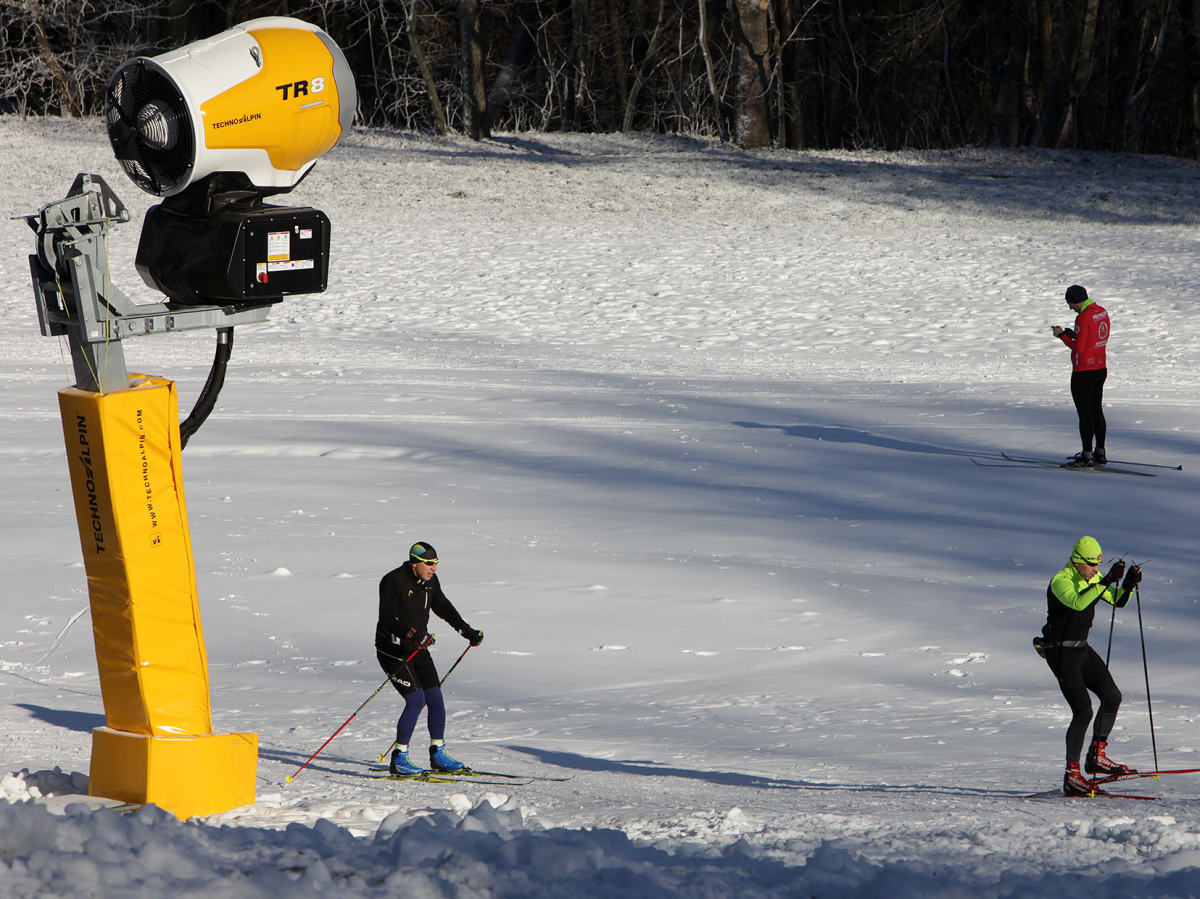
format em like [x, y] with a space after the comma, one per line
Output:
[1071, 601]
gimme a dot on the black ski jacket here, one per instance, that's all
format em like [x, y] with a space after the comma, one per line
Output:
[405, 602]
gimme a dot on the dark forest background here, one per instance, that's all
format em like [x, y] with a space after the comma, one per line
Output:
[1098, 74]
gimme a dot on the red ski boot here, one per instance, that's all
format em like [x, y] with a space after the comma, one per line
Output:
[1074, 783]
[1099, 763]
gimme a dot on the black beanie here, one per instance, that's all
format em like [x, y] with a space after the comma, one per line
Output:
[1076, 294]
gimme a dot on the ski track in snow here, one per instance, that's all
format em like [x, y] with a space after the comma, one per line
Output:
[692, 429]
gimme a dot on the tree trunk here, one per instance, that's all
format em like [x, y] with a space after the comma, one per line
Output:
[946, 49]
[706, 54]
[577, 64]
[474, 90]
[520, 44]
[1080, 76]
[69, 95]
[1007, 42]
[861, 131]
[1060, 33]
[1137, 104]
[752, 112]
[439, 115]
[1191, 64]
[620, 62]
[791, 114]
[646, 64]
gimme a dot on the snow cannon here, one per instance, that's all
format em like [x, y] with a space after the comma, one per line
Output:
[213, 128]
[263, 100]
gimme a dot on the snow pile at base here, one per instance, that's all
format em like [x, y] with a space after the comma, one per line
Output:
[23, 785]
[492, 849]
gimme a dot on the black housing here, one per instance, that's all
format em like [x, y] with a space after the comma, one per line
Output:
[234, 254]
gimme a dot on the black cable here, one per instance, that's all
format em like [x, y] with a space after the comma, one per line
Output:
[212, 387]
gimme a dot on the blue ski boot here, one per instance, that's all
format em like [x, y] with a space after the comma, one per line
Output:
[440, 761]
[400, 765]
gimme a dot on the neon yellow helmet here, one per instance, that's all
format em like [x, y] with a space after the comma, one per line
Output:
[1087, 550]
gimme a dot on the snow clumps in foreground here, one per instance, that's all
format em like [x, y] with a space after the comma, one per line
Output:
[498, 849]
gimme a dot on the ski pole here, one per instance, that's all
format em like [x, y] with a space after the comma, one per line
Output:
[1146, 669]
[339, 730]
[1108, 678]
[387, 681]
[455, 665]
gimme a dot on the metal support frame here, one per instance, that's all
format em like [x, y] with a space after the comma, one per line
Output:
[76, 297]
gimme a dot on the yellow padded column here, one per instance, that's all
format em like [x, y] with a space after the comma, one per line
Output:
[123, 451]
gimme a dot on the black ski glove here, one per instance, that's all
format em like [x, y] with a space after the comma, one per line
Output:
[473, 636]
[1133, 578]
[414, 640]
[1114, 574]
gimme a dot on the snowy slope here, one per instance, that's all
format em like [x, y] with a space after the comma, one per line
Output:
[691, 429]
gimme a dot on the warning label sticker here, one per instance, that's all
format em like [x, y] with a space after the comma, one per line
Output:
[279, 246]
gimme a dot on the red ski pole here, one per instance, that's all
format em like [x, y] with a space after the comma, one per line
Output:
[339, 730]
[356, 711]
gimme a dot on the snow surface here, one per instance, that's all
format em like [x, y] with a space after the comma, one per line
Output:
[691, 429]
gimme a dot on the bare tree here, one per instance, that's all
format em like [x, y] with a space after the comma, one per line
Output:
[702, 41]
[1007, 41]
[414, 42]
[752, 115]
[57, 55]
[1105, 74]
[474, 90]
[1191, 61]
[1153, 45]
[646, 65]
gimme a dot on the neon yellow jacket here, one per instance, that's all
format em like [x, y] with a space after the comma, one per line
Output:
[1071, 603]
[1076, 592]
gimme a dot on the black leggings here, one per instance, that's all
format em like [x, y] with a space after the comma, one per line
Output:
[1087, 390]
[1078, 671]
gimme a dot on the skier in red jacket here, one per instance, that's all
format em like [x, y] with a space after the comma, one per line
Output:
[1087, 341]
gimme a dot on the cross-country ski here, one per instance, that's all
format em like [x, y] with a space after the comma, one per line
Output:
[1034, 464]
[470, 774]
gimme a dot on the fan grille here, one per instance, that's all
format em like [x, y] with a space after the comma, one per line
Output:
[150, 128]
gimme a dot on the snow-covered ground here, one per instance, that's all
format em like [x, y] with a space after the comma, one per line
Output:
[691, 429]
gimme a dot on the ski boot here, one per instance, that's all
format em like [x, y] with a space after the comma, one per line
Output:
[1074, 783]
[1082, 460]
[1099, 459]
[440, 761]
[1099, 763]
[400, 766]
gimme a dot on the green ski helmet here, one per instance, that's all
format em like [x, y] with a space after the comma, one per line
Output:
[1087, 550]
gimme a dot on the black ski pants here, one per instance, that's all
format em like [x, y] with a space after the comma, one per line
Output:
[1079, 670]
[1087, 391]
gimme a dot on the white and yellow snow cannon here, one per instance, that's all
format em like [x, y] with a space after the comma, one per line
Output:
[212, 128]
[264, 100]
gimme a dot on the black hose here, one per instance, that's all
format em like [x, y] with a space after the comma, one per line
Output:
[212, 387]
